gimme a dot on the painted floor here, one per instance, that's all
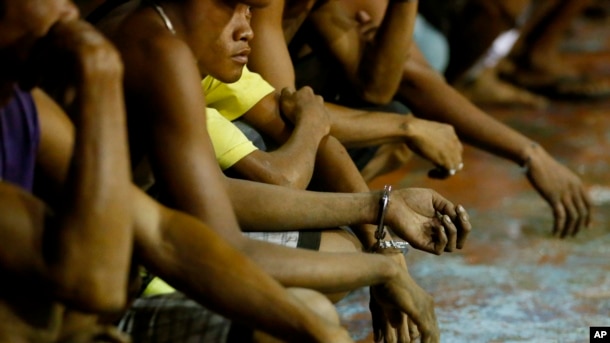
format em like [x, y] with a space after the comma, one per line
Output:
[513, 282]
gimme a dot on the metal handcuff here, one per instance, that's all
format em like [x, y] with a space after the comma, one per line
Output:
[380, 234]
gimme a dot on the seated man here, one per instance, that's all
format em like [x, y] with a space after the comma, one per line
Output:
[66, 261]
[73, 250]
[335, 28]
[288, 127]
[288, 160]
[166, 48]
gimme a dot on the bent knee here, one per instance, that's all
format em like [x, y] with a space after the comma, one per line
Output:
[339, 240]
[317, 302]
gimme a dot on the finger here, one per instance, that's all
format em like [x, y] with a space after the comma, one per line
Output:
[589, 205]
[378, 319]
[413, 331]
[389, 333]
[560, 218]
[464, 226]
[451, 233]
[439, 239]
[402, 330]
[583, 211]
[571, 216]
[287, 91]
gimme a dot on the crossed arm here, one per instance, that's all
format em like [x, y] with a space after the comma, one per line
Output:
[352, 127]
[431, 97]
[191, 256]
[371, 65]
[292, 163]
[78, 242]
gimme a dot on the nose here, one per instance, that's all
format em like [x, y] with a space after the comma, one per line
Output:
[244, 33]
[243, 30]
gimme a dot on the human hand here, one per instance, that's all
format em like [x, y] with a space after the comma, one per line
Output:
[427, 220]
[303, 107]
[401, 310]
[562, 189]
[438, 143]
[74, 63]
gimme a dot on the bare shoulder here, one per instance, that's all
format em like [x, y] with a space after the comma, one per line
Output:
[147, 47]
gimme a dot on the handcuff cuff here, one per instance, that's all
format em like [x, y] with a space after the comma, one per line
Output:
[389, 245]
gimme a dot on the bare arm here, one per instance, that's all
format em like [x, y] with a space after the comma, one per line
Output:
[190, 255]
[196, 260]
[292, 163]
[430, 96]
[334, 168]
[371, 65]
[87, 242]
[269, 44]
[168, 106]
[353, 128]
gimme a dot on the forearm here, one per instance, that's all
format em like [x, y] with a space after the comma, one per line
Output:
[90, 251]
[262, 207]
[428, 95]
[336, 172]
[377, 77]
[327, 272]
[358, 128]
[296, 157]
[191, 257]
[95, 236]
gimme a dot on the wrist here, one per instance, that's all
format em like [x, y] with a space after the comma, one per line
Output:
[408, 126]
[527, 155]
[384, 244]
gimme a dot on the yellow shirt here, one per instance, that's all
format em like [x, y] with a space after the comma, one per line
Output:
[225, 102]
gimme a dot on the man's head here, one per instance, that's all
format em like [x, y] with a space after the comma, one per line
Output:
[22, 24]
[223, 37]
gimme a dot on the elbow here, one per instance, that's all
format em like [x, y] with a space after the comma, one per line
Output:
[377, 95]
[289, 182]
[297, 180]
[286, 178]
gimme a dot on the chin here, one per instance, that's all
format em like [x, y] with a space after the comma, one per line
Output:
[230, 76]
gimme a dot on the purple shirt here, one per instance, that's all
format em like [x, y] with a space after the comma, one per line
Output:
[19, 138]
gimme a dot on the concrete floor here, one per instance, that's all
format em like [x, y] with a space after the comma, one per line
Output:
[513, 282]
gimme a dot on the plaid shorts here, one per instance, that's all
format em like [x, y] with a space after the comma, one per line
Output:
[175, 318]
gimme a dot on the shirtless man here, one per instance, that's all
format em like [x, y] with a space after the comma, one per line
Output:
[335, 26]
[167, 47]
